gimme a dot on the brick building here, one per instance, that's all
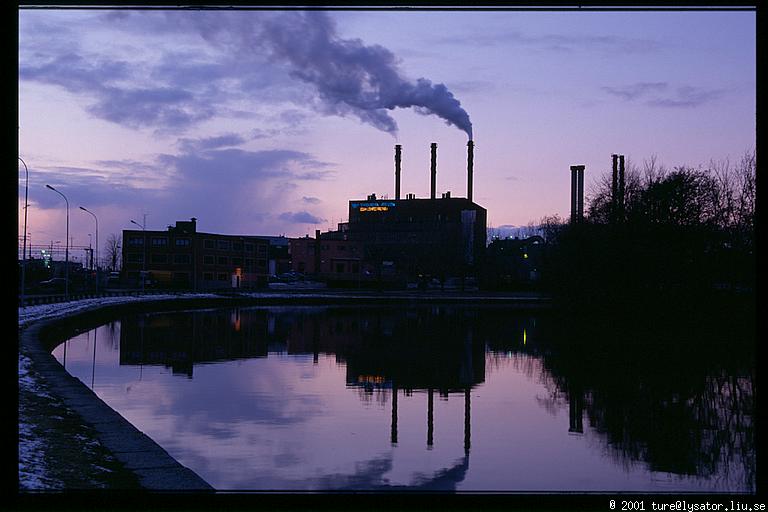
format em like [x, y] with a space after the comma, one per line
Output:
[183, 258]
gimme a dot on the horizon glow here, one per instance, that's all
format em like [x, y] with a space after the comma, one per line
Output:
[270, 122]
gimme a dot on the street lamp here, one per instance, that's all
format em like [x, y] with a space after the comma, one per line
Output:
[143, 253]
[24, 250]
[97, 245]
[66, 249]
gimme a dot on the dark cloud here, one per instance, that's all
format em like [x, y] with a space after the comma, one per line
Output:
[254, 58]
[75, 73]
[311, 200]
[160, 107]
[349, 77]
[233, 165]
[83, 186]
[302, 217]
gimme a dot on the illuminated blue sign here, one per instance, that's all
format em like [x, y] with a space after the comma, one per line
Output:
[373, 206]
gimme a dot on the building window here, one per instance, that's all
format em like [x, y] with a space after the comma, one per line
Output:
[248, 262]
[301, 266]
[355, 268]
[223, 276]
[342, 247]
[159, 241]
[222, 260]
[237, 262]
[135, 240]
[183, 242]
[181, 277]
[159, 258]
[134, 257]
[237, 246]
[182, 259]
[262, 263]
[261, 250]
[209, 260]
[207, 276]
[208, 244]
[224, 245]
[249, 247]
[339, 268]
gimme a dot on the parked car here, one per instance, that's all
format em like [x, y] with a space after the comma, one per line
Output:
[290, 277]
[57, 284]
[113, 280]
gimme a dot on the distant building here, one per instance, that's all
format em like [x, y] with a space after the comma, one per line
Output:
[331, 257]
[183, 258]
[513, 263]
[438, 237]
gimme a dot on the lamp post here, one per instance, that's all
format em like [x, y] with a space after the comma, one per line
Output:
[97, 245]
[143, 253]
[66, 248]
[24, 250]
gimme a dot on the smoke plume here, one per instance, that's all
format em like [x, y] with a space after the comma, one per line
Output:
[349, 76]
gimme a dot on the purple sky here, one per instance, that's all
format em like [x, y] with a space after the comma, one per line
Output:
[267, 123]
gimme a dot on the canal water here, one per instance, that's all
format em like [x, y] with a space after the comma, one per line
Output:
[467, 398]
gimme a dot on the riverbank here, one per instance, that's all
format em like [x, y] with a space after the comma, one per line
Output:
[69, 439]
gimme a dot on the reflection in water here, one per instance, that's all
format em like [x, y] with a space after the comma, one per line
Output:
[668, 400]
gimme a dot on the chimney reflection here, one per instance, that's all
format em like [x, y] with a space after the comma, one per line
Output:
[381, 350]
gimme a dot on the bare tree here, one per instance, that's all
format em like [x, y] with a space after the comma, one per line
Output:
[113, 249]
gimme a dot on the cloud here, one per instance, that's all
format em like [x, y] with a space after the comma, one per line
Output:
[225, 59]
[557, 42]
[311, 200]
[201, 144]
[634, 91]
[688, 96]
[657, 94]
[302, 217]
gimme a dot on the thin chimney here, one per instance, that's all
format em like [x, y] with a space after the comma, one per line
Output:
[470, 167]
[621, 188]
[434, 171]
[614, 186]
[577, 193]
[398, 148]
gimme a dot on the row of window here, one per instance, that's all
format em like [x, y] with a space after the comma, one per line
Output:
[234, 261]
[186, 259]
[222, 245]
[221, 276]
[158, 241]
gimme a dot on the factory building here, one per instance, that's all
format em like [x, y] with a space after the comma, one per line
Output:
[439, 237]
[184, 258]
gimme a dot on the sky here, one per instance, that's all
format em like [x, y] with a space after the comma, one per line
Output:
[269, 122]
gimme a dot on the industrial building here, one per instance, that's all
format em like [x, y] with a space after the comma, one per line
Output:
[403, 239]
[181, 257]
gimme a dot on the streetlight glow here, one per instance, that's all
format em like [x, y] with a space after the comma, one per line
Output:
[66, 250]
[97, 244]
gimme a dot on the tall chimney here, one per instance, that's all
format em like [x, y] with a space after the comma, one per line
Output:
[434, 170]
[621, 188]
[470, 167]
[577, 193]
[614, 186]
[398, 147]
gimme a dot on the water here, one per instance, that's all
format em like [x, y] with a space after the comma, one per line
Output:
[433, 398]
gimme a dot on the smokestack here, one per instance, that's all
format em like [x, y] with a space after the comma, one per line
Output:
[614, 186]
[470, 167]
[577, 193]
[434, 171]
[398, 147]
[621, 188]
